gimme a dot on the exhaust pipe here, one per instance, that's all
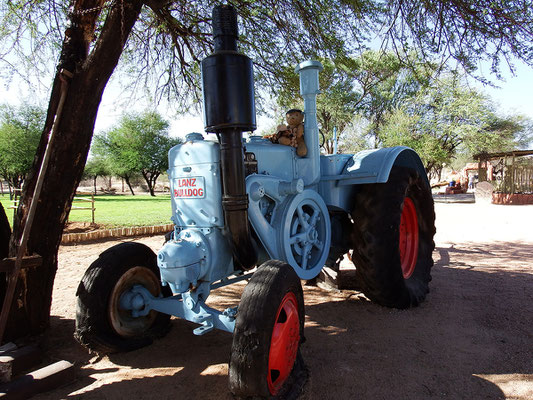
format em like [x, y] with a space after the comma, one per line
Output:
[229, 110]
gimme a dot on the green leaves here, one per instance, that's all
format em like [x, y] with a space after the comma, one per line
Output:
[20, 132]
[447, 118]
[138, 145]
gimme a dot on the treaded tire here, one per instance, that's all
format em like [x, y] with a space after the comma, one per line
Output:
[376, 216]
[258, 313]
[94, 326]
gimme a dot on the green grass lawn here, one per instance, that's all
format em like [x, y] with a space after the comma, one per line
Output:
[117, 210]
[4, 199]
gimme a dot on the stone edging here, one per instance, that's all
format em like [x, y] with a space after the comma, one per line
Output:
[117, 232]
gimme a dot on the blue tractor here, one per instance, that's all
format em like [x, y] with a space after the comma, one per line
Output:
[253, 210]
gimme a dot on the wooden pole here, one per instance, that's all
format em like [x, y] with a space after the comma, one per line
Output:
[13, 277]
[92, 207]
[482, 169]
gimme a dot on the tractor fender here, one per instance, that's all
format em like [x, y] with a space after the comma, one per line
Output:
[374, 166]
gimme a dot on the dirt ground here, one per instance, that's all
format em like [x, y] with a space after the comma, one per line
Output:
[471, 339]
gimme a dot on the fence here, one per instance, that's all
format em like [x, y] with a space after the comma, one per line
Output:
[15, 202]
[84, 200]
[510, 172]
[517, 179]
[75, 200]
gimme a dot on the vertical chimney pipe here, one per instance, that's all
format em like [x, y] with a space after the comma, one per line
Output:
[229, 109]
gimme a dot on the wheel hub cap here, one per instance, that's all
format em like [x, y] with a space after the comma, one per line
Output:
[122, 319]
[284, 343]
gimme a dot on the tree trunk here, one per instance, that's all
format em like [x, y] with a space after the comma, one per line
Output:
[31, 306]
[127, 179]
[5, 234]
[151, 189]
[151, 179]
[94, 183]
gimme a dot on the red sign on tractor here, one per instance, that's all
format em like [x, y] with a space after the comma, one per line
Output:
[189, 188]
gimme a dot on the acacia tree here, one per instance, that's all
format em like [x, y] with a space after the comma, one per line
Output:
[446, 118]
[138, 145]
[167, 38]
[20, 130]
[369, 85]
[387, 82]
[500, 133]
[102, 151]
[95, 167]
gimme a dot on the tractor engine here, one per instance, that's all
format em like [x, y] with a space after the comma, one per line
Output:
[196, 192]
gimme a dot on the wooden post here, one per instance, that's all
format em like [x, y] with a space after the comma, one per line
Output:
[92, 207]
[482, 169]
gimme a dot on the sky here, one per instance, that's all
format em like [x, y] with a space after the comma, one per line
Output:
[515, 94]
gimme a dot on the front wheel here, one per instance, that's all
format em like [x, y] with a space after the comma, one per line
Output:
[268, 332]
[394, 225]
[102, 325]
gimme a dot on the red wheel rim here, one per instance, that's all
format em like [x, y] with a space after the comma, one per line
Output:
[408, 238]
[284, 343]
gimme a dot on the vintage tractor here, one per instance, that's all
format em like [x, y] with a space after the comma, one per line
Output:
[253, 210]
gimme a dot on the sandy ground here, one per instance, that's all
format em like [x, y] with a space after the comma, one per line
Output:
[471, 339]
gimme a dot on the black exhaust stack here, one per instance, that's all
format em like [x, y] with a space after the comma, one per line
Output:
[229, 110]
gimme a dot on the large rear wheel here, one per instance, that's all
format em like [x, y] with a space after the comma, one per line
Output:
[268, 331]
[394, 225]
[102, 325]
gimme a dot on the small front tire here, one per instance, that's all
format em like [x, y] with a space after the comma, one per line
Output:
[101, 324]
[268, 332]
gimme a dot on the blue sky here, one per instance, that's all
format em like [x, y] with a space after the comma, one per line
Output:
[515, 94]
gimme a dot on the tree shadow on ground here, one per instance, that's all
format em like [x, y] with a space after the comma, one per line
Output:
[179, 365]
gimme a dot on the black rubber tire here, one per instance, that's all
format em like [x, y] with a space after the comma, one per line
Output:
[248, 366]
[94, 329]
[376, 217]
